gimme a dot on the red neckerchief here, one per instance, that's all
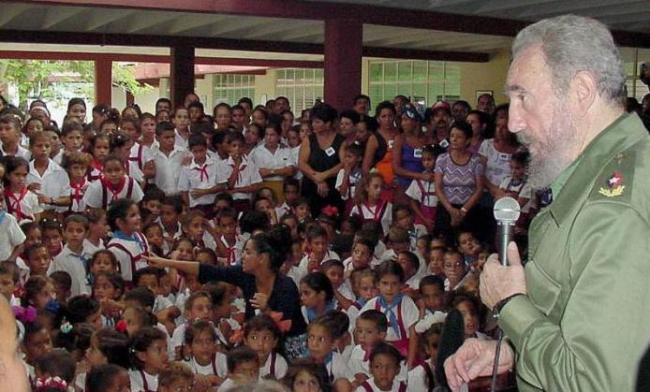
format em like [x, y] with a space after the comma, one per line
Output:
[203, 172]
[378, 211]
[13, 203]
[232, 259]
[95, 165]
[77, 190]
[235, 176]
[114, 189]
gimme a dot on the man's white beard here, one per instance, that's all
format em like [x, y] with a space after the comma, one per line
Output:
[551, 156]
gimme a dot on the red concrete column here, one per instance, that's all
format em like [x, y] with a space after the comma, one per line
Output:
[103, 81]
[343, 51]
[182, 73]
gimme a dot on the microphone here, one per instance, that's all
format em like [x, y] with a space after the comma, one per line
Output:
[506, 213]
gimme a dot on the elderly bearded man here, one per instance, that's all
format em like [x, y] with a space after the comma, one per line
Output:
[577, 317]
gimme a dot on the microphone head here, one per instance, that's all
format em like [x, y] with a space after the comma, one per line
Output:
[506, 210]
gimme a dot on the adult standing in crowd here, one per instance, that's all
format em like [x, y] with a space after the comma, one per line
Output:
[576, 317]
[320, 160]
[379, 149]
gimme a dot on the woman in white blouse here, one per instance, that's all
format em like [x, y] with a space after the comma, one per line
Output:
[274, 160]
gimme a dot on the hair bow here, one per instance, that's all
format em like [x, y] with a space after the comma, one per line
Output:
[51, 382]
[66, 327]
[283, 325]
[330, 211]
[26, 315]
[121, 326]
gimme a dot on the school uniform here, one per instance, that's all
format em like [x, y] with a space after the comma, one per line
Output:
[227, 385]
[54, 182]
[337, 367]
[424, 192]
[140, 154]
[95, 170]
[10, 234]
[262, 157]
[142, 381]
[381, 212]
[354, 178]
[129, 249]
[181, 140]
[23, 205]
[217, 367]
[92, 248]
[22, 152]
[401, 315]
[421, 378]
[199, 176]
[360, 361]
[249, 174]
[414, 281]
[275, 367]
[76, 265]
[132, 170]
[101, 193]
[283, 210]
[166, 248]
[370, 386]
[77, 191]
[58, 158]
[233, 251]
[168, 168]
[297, 272]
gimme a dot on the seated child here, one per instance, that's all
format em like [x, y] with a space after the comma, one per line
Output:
[243, 368]
[432, 294]
[384, 367]
[421, 378]
[262, 335]
[208, 365]
[107, 378]
[410, 264]
[176, 378]
[148, 358]
[316, 296]
[343, 294]
[454, 268]
[322, 343]
[371, 327]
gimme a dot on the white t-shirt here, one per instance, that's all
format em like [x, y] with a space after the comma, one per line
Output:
[142, 381]
[263, 158]
[54, 182]
[97, 193]
[418, 379]
[197, 176]
[275, 367]
[424, 192]
[249, 174]
[498, 163]
[371, 382]
[218, 366]
[381, 212]
[75, 265]
[10, 235]
[168, 168]
[354, 180]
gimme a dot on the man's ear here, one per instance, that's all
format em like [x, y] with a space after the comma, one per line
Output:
[583, 92]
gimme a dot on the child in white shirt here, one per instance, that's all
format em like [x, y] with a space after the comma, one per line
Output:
[350, 175]
[238, 173]
[262, 335]
[22, 203]
[198, 181]
[46, 178]
[114, 185]
[128, 244]
[169, 158]
[385, 366]
[243, 368]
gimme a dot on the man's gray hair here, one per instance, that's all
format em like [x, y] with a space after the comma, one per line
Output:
[572, 44]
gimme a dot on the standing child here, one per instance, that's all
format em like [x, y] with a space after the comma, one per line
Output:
[121, 143]
[274, 160]
[52, 233]
[46, 177]
[350, 176]
[422, 193]
[128, 244]
[10, 136]
[100, 147]
[74, 259]
[370, 205]
[238, 173]
[317, 251]
[198, 181]
[291, 191]
[384, 366]
[22, 203]
[97, 231]
[262, 335]
[170, 210]
[72, 136]
[114, 185]
[9, 278]
[76, 164]
[343, 295]
[148, 358]
[401, 311]
[197, 307]
[168, 157]
[181, 127]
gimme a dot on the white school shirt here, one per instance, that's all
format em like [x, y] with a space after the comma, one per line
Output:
[10, 235]
[295, 155]
[22, 152]
[414, 191]
[354, 179]
[168, 169]
[75, 265]
[397, 386]
[58, 158]
[141, 154]
[91, 248]
[263, 158]
[28, 205]
[217, 367]
[368, 212]
[181, 141]
[249, 174]
[498, 163]
[297, 272]
[130, 260]
[357, 363]
[283, 210]
[77, 196]
[139, 378]
[280, 367]
[197, 176]
[54, 182]
[227, 385]
[414, 281]
[234, 251]
[338, 367]
[410, 316]
[94, 195]
[417, 377]
[523, 189]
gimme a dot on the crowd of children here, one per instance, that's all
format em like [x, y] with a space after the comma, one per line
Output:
[90, 210]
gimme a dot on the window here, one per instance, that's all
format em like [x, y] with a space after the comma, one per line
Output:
[424, 81]
[301, 86]
[229, 88]
[635, 88]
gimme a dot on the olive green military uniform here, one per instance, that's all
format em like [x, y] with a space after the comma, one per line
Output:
[586, 319]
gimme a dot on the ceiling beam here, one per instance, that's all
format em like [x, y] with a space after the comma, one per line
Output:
[10, 14]
[54, 37]
[576, 7]
[54, 17]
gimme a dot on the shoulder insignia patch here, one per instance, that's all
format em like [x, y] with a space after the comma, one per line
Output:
[614, 186]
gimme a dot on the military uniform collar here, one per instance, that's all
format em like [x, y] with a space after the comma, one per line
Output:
[620, 135]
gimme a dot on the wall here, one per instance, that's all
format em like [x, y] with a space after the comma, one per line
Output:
[265, 87]
[485, 76]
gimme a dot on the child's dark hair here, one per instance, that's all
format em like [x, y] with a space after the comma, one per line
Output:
[12, 163]
[218, 292]
[152, 192]
[114, 279]
[142, 296]
[176, 371]
[254, 220]
[331, 263]
[355, 149]
[376, 317]
[29, 252]
[390, 267]
[147, 319]
[318, 371]
[412, 259]
[32, 287]
[75, 218]
[401, 207]
[371, 230]
[197, 139]
[211, 253]
[432, 280]
[114, 346]
[240, 355]
[290, 181]
[155, 271]
[262, 322]
[142, 340]
[113, 158]
[79, 308]
[315, 231]
[62, 279]
[340, 322]
[382, 348]
[194, 296]
[118, 210]
[76, 340]
[194, 329]
[428, 150]
[521, 157]
[106, 252]
[328, 323]
[319, 282]
[397, 235]
[223, 196]
[57, 363]
[174, 201]
[164, 126]
[119, 139]
[51, 224]
[234, 137]
[100, 378]
[10, 268]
